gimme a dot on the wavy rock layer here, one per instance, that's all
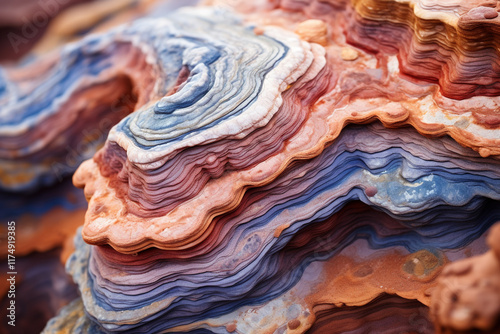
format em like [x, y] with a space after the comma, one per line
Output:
[235, 199]
[318, 269]
[395, 315]
[453, 44]
[149, 179]
[257, 254]
[44, 123]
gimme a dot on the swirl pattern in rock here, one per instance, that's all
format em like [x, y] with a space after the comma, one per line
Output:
[441, 195]
[234, 198]
[45, 114]
[149, 174]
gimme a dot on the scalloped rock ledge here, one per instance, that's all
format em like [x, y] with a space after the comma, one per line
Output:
[247, 193]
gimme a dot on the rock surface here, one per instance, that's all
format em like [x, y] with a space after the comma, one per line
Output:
[468, 293]
[242, 188]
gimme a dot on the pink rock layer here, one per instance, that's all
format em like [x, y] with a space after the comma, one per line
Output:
[454, 45]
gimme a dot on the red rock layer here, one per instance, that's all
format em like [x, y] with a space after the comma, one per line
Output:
[156, 192]
[392, 313]
[455, 45]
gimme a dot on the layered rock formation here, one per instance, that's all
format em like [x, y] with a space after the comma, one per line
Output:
[54, 114]
[293, 233]
[44, 125]
[236, 198]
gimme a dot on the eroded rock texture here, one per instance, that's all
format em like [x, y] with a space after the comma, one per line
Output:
[47, 129]
[54, 114]
[236, 197]
[468, 292]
